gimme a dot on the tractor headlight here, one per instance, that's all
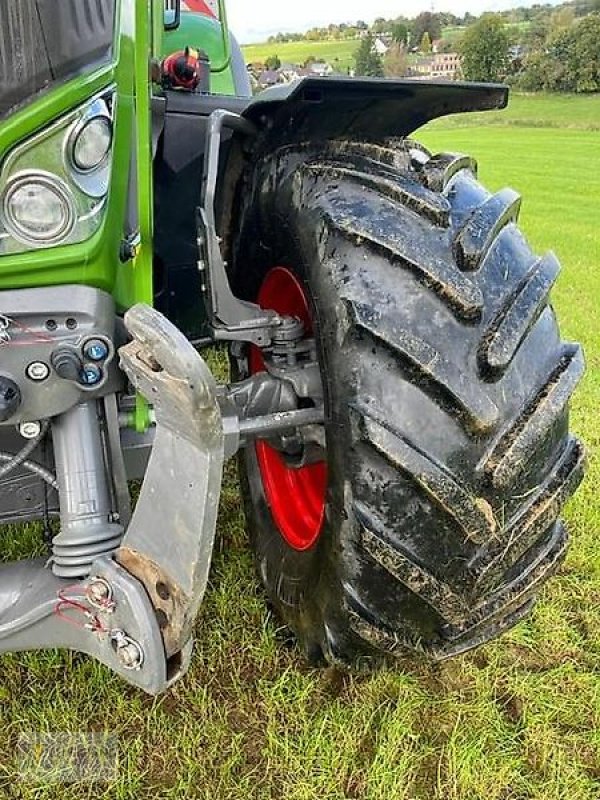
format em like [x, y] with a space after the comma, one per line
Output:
[54, 186]
[38, 209]
[91, 144]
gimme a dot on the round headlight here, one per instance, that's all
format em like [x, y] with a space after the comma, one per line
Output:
[38, 209]
[91, 144]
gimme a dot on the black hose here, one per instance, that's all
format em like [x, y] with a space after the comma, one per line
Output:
[15, 460]
[21, 459]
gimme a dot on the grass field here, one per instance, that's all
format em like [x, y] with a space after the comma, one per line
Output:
[517, 720]
[340, 54]
[575, 112]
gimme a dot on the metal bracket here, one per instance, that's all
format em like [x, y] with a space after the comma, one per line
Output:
[168, 544]
[231, 319]
[135, 612]
[41, 610]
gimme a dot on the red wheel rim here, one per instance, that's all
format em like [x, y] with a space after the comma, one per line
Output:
[296, 496]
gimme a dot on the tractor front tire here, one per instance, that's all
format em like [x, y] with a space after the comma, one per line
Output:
[446, 390]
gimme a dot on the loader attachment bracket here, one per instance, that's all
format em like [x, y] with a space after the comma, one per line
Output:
[169, 541]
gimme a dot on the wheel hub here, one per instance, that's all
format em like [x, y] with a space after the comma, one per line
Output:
[295, 495]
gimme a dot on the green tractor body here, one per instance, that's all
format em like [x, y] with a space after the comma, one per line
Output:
[41, 113]
[399, 390]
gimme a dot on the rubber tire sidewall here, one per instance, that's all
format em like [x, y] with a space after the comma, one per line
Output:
[303, 586]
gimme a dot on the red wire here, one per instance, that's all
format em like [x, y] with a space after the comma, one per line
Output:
[70, 603]
[35, 337]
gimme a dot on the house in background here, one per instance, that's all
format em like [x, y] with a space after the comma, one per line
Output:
[446, 65]
[380, 46]
[320, 68]
[438, 65]
[289, 72]
[262, 78]
[269, 77]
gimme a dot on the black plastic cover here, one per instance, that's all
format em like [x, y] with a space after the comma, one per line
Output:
[46, 41]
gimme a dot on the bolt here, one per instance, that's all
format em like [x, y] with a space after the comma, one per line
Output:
[95, 350]
[130, 655]
[37, 371]
[128, 651]
[91, 375]
[99, 593]
[30, 430]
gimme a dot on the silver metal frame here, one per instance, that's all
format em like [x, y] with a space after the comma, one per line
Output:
[126, 587]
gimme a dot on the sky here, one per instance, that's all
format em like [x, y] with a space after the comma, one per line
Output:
[255, 20]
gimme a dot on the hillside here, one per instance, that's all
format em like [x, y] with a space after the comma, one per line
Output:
[340, 54]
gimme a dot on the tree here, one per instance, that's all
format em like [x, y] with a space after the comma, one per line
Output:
[447, 46]
[273, 62]
[395, 63]
[425, 43]
[367, 61]
[400, 33]
[561, 20]
[380, 25]
[533, 75]
[484, 49]
[571, 62]
[425, 22]
[536, 34]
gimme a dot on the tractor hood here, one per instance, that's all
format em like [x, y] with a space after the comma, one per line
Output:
[43, 42]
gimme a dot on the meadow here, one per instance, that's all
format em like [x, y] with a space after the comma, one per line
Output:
[518, 719]
[340, 54]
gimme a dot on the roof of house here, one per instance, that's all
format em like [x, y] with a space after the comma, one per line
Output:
[269, 76]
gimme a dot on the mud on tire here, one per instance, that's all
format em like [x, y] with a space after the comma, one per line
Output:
[447, 385]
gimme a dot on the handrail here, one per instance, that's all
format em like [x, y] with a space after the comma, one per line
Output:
[226, 39]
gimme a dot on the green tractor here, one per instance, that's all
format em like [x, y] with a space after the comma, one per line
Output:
[399, 389]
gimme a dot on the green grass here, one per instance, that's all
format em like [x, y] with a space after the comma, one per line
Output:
[518, 719]
[580, 112]
[340, 54]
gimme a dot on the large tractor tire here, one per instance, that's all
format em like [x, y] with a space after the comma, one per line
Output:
[434, 521]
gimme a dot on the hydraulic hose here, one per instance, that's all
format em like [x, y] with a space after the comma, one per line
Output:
[17, 459]
[32, 466]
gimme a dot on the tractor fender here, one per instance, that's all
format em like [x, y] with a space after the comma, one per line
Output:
[313, 109]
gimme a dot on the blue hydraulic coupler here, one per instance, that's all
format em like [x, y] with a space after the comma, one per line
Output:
[91, 375]
[95, 350]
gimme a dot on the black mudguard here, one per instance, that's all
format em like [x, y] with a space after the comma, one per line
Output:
[365, 108]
